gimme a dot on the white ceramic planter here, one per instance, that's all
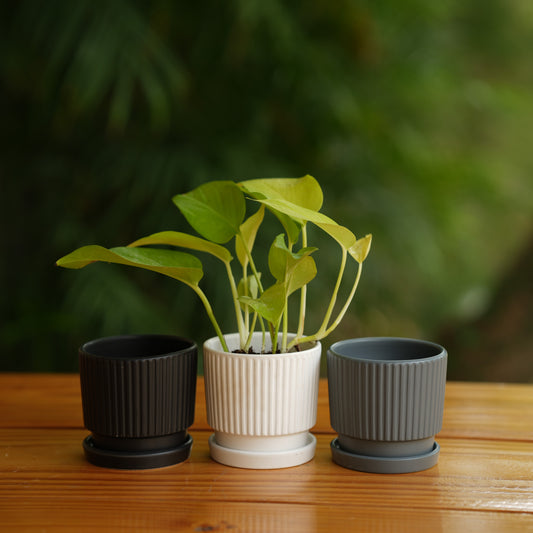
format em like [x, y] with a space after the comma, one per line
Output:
[261, 406]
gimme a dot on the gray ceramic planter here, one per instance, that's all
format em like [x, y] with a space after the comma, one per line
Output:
[386, 398]
[138, 398]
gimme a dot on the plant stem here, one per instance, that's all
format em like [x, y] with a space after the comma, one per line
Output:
[321, 334]
[285, 326]
[251, 333]
[211, 315]
[238, 314]
[246, 309]
[252, 265]
[333, 300]
[348, 301]
[303, 293]
[274, 338]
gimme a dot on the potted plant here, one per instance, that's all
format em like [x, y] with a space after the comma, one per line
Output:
[262, 380]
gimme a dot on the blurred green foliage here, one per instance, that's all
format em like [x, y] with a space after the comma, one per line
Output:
[413, 116]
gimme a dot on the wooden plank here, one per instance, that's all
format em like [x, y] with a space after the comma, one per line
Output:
[472, 410]
[76, 514]
[483, 482]
[40, 400]
[488, 410]
[43, 465]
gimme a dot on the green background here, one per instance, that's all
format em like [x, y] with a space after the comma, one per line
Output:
[415, 117]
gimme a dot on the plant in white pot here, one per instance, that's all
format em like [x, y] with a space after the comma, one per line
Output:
[262, 380]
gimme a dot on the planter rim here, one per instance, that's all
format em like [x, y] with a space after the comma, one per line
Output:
[214, 344]
[342, 349]
[187, 345]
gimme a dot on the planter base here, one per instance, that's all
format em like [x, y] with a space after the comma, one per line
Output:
[384, 465]
[263, 460]
[138, 459]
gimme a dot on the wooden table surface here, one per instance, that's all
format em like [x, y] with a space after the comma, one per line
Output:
[483, 481]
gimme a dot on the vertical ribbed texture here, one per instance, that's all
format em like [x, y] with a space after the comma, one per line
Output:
[262, 395]
[138, 397]
[386, 401]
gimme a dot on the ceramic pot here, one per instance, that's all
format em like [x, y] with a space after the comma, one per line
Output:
[261, 406]
[138, 396]
[386, 398]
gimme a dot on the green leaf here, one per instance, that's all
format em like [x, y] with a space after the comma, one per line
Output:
[248, 287]
[341, 234]
[295, 211]
[292, 227]
[305, 191]
[282, 261]
[303, 272]
[270, 305]
[248, 232]
[178, 265]
[184, 240]
[359, 251]
[215, 210]
[277, 258]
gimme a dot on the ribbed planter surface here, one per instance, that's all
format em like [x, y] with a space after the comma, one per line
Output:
[386, 402]
[261, 395]
[141, 394]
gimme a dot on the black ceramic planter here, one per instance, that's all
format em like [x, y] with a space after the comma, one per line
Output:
[386, 398]
[138, 396]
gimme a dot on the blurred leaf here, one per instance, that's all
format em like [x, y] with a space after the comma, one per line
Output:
[415, 120]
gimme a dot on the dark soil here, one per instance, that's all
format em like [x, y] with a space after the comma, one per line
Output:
[251, 351]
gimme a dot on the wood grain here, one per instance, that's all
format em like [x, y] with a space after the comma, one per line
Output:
[472, 410]
[478, 475]
[237, 517]
[483, 481]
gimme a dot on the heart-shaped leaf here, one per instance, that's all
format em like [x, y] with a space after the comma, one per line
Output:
[360, 249]
[303, 272]
[282, 261]
[215, 209]
[178, 265]
[246, 237]
[184, 240]
[270, 305]
[305, 192]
